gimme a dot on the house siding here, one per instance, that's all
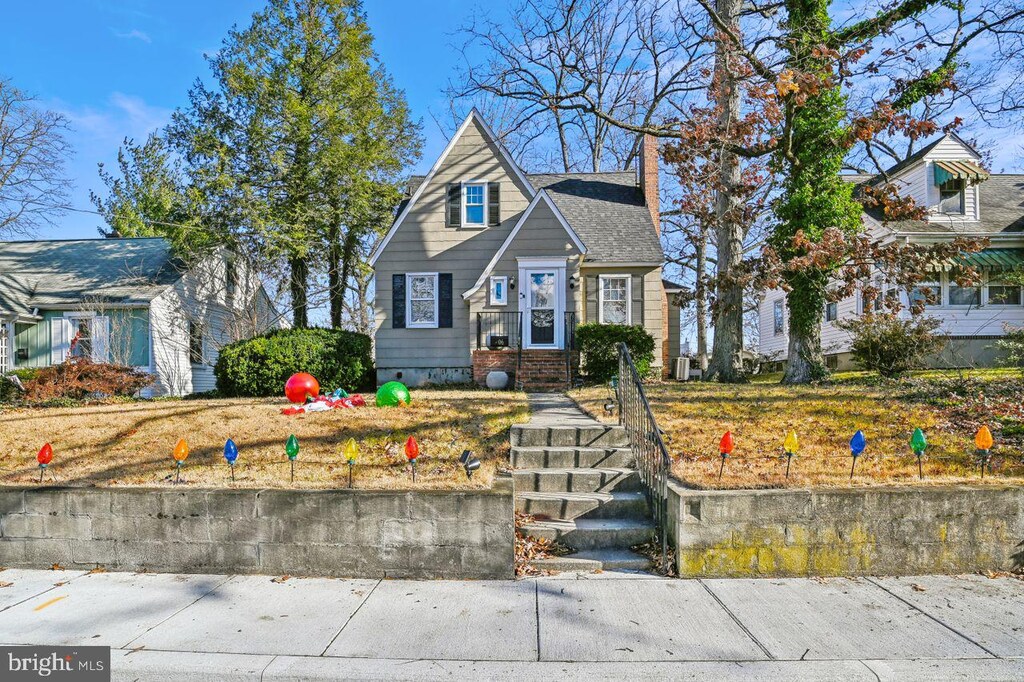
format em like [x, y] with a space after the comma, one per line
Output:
[647, 291]
[129, 337]
[201, 296]
[541, 236]
[423, 243]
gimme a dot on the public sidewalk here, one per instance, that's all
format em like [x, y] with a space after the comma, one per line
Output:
[602, 626]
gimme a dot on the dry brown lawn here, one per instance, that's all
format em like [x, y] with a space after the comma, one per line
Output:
[695, 415]
[130, 444]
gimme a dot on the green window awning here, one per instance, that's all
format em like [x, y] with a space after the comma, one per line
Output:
[966, 170]
[994, 259]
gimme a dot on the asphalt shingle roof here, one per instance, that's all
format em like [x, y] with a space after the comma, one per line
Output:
[39, 274]
[606, 210]
[1002, 211]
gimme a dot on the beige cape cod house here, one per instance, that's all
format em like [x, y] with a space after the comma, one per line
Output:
[962, 200]
[486, 267]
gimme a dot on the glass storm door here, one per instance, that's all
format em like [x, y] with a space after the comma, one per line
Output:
[542, 306]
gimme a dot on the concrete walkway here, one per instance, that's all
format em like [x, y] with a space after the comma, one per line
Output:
[557, 409]
[206, 627]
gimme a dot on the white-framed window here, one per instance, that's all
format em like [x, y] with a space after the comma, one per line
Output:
[963, 296]
[499, 290]
[474, 204]
[926, 294]
[421, 299]
[831, 311]
[1001, 292]
[951, 196]
[614, 303]
[779, 315]
[195, 343]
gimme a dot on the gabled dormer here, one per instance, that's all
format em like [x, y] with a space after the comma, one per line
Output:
[943, 177]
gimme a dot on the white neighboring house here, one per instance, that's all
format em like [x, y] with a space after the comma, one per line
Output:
[129, 302]
[962, 200]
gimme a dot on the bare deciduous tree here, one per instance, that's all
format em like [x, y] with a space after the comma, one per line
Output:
[33, 151]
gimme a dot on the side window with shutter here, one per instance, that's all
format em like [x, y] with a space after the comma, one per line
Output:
[494, 204]
[398, 301]
[453, 205]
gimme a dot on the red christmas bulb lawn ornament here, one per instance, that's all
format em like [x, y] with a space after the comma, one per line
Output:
[301, 386]
[412, 451]
[44, 457]
[725, 447]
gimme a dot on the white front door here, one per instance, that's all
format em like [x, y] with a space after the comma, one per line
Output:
[543, 305]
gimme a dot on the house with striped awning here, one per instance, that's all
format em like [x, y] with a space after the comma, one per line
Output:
[962, 199]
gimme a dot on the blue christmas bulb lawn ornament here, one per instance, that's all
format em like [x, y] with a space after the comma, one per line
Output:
[857, 445]
[231, 454]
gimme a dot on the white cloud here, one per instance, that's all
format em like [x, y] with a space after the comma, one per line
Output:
[134, 34]
[122, 116]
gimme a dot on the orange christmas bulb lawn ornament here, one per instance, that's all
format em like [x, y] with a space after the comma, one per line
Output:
[983, 439]
[180, 455]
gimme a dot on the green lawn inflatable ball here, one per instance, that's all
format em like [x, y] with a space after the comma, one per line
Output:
[393, 394]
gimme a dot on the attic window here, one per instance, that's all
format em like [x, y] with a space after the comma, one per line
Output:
[951, 196]
[474, 203]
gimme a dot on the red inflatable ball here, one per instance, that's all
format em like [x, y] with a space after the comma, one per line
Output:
[301, 386]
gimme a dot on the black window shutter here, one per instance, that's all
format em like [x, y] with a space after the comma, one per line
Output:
[453, 205]
[494, 203]
[398, 301]
[444, 299]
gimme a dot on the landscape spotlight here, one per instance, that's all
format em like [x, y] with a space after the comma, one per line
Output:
[469, 463]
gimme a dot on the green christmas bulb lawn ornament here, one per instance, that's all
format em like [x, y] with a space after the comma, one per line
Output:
[291, 448]
[918, 443]
[393, 394]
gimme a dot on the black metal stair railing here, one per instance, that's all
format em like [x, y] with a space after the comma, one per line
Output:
[652, 459]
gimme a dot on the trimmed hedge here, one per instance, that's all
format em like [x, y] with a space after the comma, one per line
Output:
[597, 344]
[260, 366]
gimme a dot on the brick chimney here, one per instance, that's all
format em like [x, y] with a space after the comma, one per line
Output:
[648, 171]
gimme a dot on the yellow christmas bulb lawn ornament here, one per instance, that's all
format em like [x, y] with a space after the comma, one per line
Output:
[983, 441]
[180, 454]
[790, 445]
[351, 451]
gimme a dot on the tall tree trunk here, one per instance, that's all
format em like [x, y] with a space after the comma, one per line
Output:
[348, 257]
[297, 279]
[335, 280]
[701, 298]
[726, 363]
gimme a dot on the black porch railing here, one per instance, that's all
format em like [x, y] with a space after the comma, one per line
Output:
[570, 345]
[652, 459]
[497, 330]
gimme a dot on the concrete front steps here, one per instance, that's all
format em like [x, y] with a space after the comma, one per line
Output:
[575, 477]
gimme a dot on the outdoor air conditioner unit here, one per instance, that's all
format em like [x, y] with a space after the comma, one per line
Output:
[681, 369]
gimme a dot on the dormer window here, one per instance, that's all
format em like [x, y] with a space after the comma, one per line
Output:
[951, 196]
[474, 204]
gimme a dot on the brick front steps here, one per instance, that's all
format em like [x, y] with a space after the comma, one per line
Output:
[540, 370]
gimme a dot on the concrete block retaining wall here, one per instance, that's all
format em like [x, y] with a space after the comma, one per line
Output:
[866, 531]
[343, 533]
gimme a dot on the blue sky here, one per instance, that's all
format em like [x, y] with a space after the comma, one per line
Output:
[118, 69]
